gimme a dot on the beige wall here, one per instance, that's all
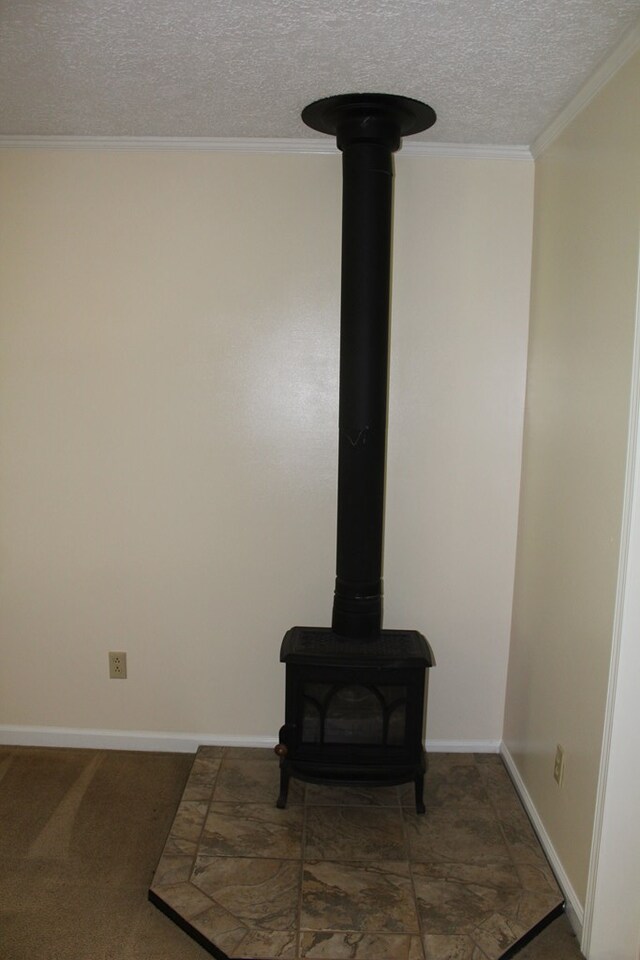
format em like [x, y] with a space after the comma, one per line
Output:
[587, 202]
[168, 401]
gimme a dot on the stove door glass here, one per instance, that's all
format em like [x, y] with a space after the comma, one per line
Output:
[358, 714]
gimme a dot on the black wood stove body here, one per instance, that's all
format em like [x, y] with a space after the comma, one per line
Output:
[355, 693]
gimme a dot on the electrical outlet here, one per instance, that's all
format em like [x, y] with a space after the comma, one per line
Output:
[117, 665]
[558, 766]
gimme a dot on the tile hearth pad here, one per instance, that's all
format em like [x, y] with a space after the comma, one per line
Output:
[353, 873]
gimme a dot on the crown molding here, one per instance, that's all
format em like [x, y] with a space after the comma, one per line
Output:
[629, 44]
[466, 151]
[204, 144]
[250, 145]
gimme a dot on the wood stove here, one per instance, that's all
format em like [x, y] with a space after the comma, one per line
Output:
[355, 693]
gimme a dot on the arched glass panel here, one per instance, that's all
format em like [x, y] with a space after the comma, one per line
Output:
[311, 721]
[354, 714]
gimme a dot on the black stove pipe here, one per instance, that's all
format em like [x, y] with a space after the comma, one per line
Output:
[369, 128]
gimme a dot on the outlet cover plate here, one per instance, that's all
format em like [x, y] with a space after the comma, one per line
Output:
[117, 665]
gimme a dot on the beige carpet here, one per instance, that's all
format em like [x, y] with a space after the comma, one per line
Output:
[81, 833]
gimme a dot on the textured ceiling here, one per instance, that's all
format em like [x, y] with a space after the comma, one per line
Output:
[496, 71]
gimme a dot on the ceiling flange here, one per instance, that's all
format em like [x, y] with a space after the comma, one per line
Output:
[368, 112]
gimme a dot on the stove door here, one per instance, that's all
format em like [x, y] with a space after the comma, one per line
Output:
[347, 714]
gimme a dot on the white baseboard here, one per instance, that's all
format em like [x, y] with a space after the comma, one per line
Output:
[575, 910]
[463, 746]
[123, 739]
[26, 736]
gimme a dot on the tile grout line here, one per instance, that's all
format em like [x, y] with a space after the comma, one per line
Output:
[204, 819]
[303, 844]
[186, 923]
[206, 816]
[198, 842]
[405, 831]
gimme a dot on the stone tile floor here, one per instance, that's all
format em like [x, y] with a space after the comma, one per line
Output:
[353, 872]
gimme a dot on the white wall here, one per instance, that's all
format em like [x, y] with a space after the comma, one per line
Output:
[168, 403]
[587, 206]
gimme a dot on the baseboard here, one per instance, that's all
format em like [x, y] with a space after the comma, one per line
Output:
[463, 746]
[574, 909]
[26, 736]
[156, 741]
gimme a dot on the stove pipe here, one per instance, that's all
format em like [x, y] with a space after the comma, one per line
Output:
[368, 128]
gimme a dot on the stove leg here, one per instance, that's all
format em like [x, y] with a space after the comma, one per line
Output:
[419, 786]
[281, 802]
